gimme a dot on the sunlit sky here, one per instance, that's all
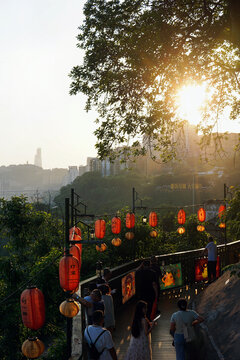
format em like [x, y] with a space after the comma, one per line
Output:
[38, 50]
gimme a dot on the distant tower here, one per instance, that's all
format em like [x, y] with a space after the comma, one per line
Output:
[38, 158]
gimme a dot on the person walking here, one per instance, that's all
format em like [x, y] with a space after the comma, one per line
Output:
[100, 337]
[211, 251]
[182, 329]
[140, 342]
[146, 286]
[109, 317]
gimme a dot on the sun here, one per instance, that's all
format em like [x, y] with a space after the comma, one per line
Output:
[190, 102]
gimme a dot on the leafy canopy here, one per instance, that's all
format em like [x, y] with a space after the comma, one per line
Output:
[138, 54]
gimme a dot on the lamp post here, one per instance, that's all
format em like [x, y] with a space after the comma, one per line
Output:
[135, 197]
[99, 269]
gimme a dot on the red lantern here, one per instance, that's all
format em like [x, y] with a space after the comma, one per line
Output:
[100, 228]
[75, 234]
[75, 251]
[181, 217]
[116, 225]
[221, 211]
[201, 215]
[69, 274]
[130, 220]
[153, 219]
[32, 308]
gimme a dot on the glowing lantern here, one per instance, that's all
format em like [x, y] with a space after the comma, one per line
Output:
[201, 215]
[32, 308]
[100, 228]
[101, 248]
[153, 233]
[181, 217]
[222, 225]
[32, 348]
[69, 308]
[69, 272]
[181, 230]
[200, 228]
[221, 211]
[130, 220]
[116, 241]
[116, 225]
[153, 219]
[129, 235]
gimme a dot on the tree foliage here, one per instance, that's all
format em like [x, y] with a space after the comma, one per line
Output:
[138, 54]
[33, 244]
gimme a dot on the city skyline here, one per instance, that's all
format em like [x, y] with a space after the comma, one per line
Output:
[38, 51]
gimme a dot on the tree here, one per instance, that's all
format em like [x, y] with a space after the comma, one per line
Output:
[33, 243]
[139, 53]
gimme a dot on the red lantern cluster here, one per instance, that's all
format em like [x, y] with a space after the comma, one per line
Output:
[201, 215]
[181, 217]
[153, 220]
[32, 308]
[116, 225]
[130, 220]
[69, 272]
[100, 229]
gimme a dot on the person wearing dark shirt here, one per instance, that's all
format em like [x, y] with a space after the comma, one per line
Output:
[146, 286]
[156, 268]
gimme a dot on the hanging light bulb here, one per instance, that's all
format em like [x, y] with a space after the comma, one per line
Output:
[144, 220]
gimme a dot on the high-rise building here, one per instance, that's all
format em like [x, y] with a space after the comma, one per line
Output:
[38, 158]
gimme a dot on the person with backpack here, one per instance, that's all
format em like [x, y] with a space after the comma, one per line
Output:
[182, 330]
[99, 339]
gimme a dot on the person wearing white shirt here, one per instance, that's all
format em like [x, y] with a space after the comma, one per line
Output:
[104, 343]
[211, 250]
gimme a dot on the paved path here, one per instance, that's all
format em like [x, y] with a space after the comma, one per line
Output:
[162, 348]
[161, 340]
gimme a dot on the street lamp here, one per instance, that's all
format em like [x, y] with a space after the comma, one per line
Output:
[99, 269]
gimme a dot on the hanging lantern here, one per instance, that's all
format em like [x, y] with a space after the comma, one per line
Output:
[74, 251]
[221, 211]
[116, 242]
[130, 220]
[100, 229]
[153, 219]
[116, 225]
[129, 235]
[32, 348]
[144, 220]
[201, 215]
[200, 228]
[32, 308]
[181, 230]
[222, 225]
[69, 274]
[75, 234]
[69, 308]
[181, 217]
[153, 233]
[101, 248]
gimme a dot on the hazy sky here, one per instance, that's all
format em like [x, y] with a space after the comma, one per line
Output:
[38, 50]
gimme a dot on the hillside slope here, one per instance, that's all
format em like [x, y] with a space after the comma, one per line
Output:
[220, 306]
